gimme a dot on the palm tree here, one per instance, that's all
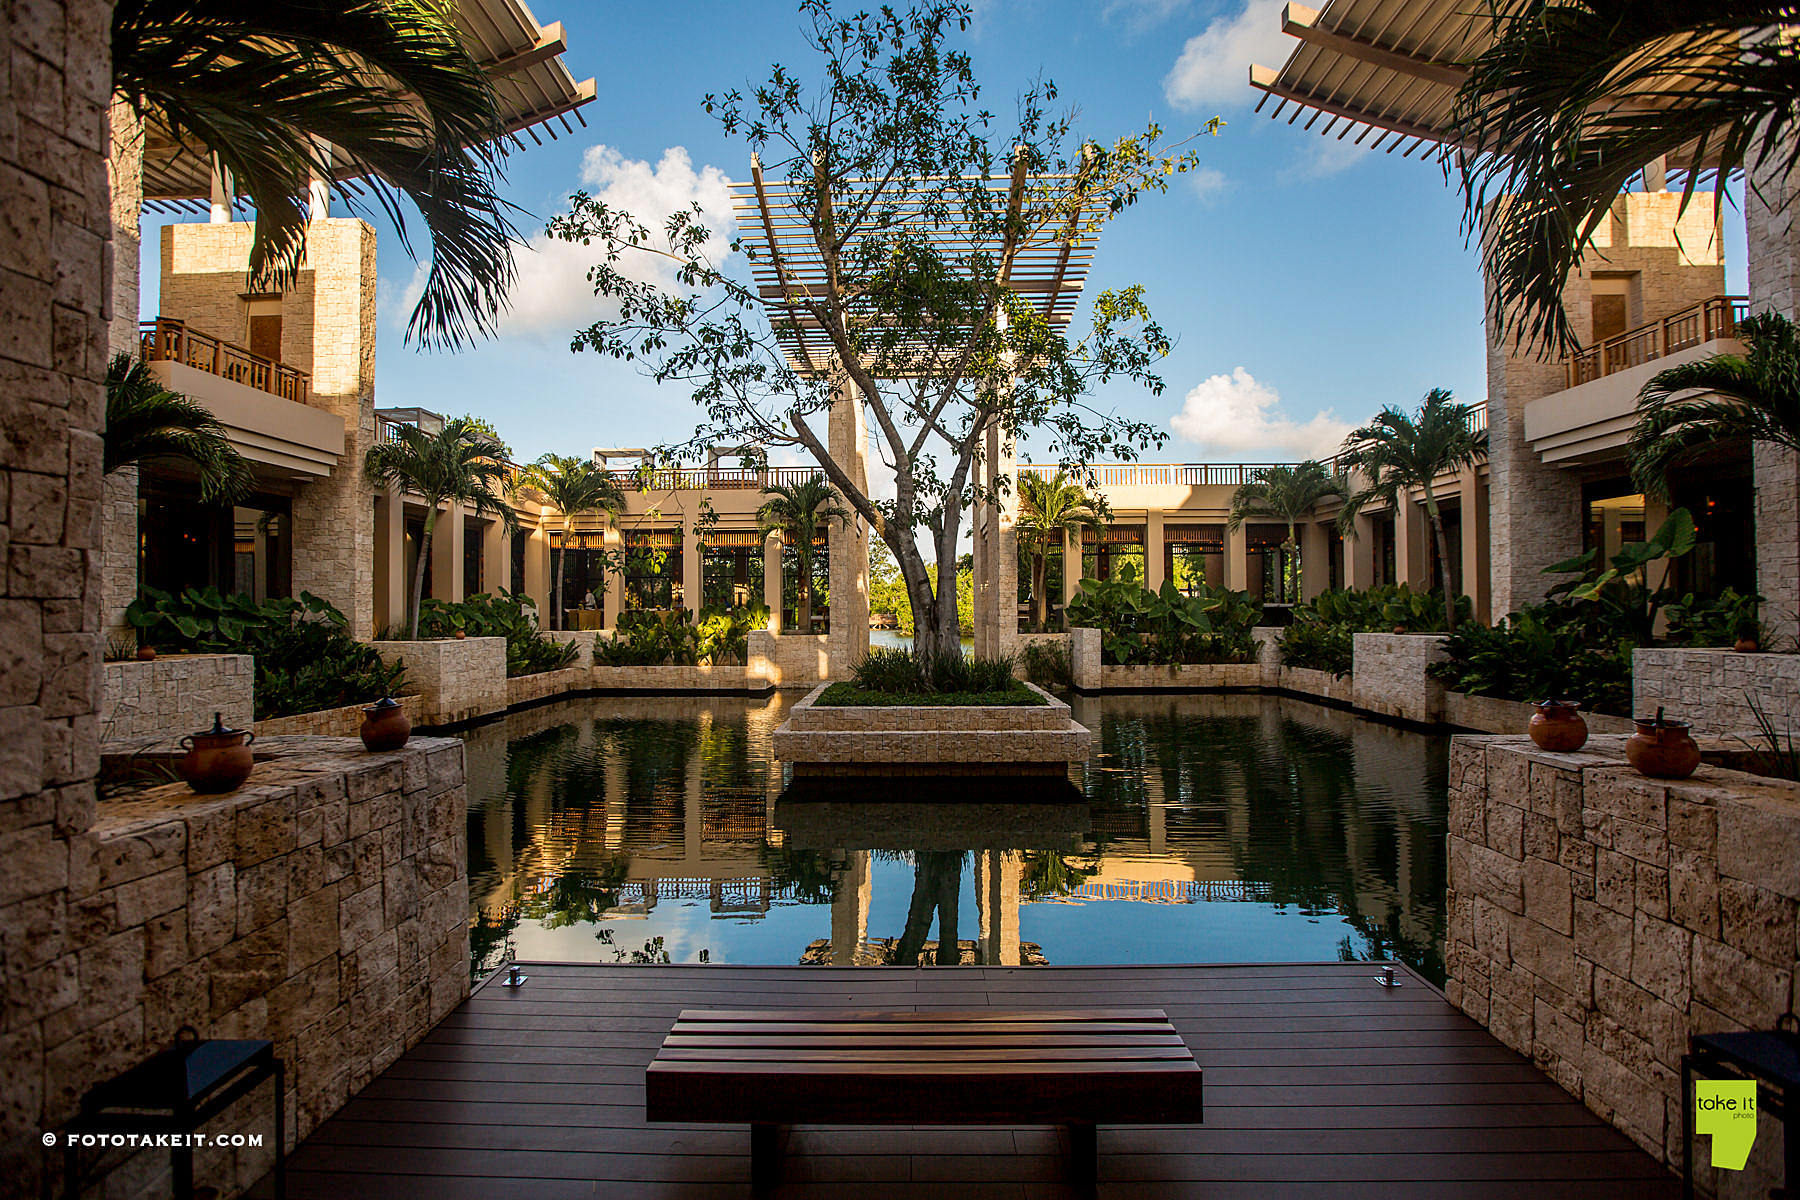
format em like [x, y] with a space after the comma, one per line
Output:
[800, 511]
[1287, 493]
[281, 91]
[1573, 97]
[574, 487]
[452, 466]
[1397, 452]
[145, 420]
[1047, 508]
[1691, 406]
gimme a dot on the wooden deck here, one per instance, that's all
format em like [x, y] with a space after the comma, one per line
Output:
[1318, 1084]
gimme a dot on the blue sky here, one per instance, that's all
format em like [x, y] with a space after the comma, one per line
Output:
[1307, 282]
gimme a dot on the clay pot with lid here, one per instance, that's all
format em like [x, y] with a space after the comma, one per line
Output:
[385, 725]
[1557, 726]
[1662, 749]
[146, 653]
[217, 759]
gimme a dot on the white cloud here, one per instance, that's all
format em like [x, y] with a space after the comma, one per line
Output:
[1327, 156]
[1236, 414]
[1140, 15]
[1208, 182]
[1214, 66]
[551, 298]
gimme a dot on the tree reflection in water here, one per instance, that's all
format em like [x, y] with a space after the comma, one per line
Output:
[937, 887]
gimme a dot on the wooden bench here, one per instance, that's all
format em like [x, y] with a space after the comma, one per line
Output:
[1072, 1067]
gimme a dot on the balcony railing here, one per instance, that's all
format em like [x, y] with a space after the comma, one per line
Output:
[166, 339]
[693, 479]
[1715, 317]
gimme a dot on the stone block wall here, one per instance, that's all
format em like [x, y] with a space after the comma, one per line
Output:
[583, 640]
[1084, 657]
[1712, 689]
[1772, 245]
[345, 722]
[456, 679]
[1489, 714]
[323, 906]
[787, 660]
[1597, 918]
[164, 698]
[1390, 679]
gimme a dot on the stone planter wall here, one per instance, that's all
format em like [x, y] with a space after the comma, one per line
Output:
[789, 660]
[529, 689]
[166, 697]
[1390, 675]
[457, 679]
[323, 906]
[1084, 658]
[1708, 688]
[1489, 714]
[677, 679]
[343, 722]
[1181, 677]
[1306, 681]
[852, 735]
[1598, 918]
[583, 640]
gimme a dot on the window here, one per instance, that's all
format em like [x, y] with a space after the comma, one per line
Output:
[1193, 555]
[653, 569]
[1117, 552]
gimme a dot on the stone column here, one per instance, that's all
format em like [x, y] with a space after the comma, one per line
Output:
[979, 555]
[772, 545]
[392, 584]
[119, 515]
[849, 540]
[693, 596]
[1412, 562]
[615, 580]
[1003, 542]
[447, 555]
[1475, 544]
[1773, 250]
[998, 874]
[1359, 554]
[1237, 558]
[1153, 550]
[496, 558]
[1315, 554]
[1071, 575]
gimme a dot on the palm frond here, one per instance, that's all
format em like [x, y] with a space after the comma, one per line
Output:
[146, 421]
[386, 84]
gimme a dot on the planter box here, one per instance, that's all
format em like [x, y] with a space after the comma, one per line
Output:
[528, 689]
[879, 739]
[166, 697]
[1390, 677]
[457, 679]
[677, 679]
[1322, 685]
[1708, 688]
[332, 722]
[1489, 714]
[1181, 677]
[583, 640]
[790, 660]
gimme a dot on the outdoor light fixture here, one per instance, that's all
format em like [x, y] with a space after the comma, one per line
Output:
[513, 978]
[1387, 978]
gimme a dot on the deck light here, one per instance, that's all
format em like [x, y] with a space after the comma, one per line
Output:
[1387, 978]
[513, 978]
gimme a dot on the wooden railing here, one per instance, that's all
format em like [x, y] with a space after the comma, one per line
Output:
[1714, 317]
[693, 479]
[166, 339]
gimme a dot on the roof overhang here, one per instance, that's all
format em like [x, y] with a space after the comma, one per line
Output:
[522, 59]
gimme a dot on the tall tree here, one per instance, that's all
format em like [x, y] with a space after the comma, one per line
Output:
[1689, 407]
[574, 487]
[1287, 493]
[145, 421]
[1573, 98]
[801, 511]
[1398, 451]
[452, 466]
[883, 160]
[1049, 508]
[282, 91]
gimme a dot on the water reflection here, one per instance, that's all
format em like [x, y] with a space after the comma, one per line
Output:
[1207, 829]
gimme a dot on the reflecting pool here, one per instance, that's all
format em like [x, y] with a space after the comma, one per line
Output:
[1206, 828]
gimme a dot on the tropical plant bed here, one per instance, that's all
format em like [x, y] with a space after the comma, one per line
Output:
[846, 694]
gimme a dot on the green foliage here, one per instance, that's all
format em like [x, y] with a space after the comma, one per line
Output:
[1316, 645]
[650, 637]
[1047, 664]
[887, 591]
[1621, 602]
[848, 694]
[1714, 620]
[306, 659]
[894, 672]
[146, 421]
[512, 616]
[889, 669]
[1541, 651]
[1321, 637]
[1139, 626]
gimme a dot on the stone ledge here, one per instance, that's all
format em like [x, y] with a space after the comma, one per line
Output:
[678, 679]
[345, 722]
[528, 689]
[1181, 677]
[1490, 714]
[1709, 687]
[931, 735]
[175, 694]
[808, 716]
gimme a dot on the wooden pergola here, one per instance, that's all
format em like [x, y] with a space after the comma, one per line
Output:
[1048, 266]
[523, 63]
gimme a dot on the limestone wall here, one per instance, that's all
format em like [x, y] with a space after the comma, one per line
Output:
[1712, 689]
[529, 689]
[1084, 657]
[1598, 918]
[457, 679]
[166, 697]
[789, 660]
[345, 722]
[1320, 684]
[323, 906]
[1389, 675]
[1488, 714]
[583, 640]
[680, 679]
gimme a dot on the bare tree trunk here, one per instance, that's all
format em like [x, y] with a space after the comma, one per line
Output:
[418, 588]
[1443, 545]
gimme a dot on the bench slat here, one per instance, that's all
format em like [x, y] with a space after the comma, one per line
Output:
[952, 1054]
[875, 1016]
[823, 1028]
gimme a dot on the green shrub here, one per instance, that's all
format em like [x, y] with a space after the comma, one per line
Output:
[306, 659]
[1318, 645]
[1141, 626]
[1714, 620]
[512, 616]
[1322, 634]
[1540, 652]
[847, 693]
[671, 637]
[1047, 664]
[892, 671]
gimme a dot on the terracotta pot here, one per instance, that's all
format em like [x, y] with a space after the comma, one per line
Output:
[1662, 749]
[217, 759]
[1746, 645]
[460, 635]
[1557, 726]
[385, 725]
[146, 653]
